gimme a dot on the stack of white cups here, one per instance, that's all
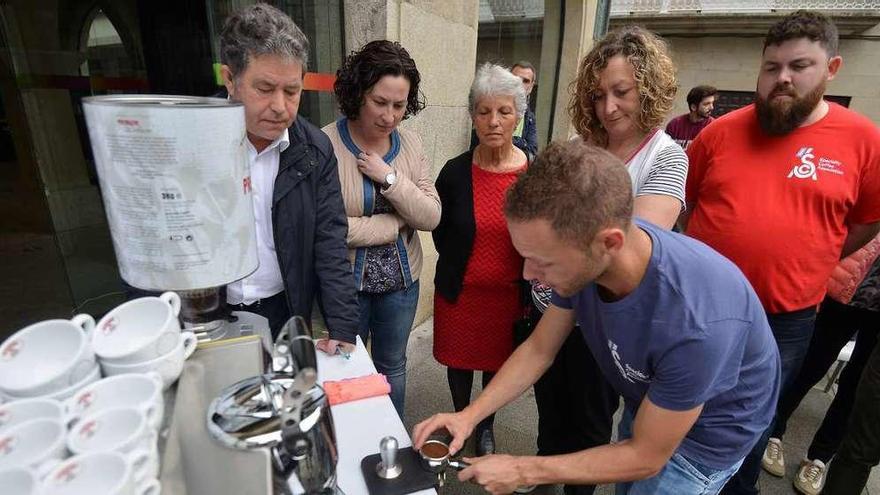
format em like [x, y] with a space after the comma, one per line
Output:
[113, 436]
[58, 405]
[144, 335]
[50, 359]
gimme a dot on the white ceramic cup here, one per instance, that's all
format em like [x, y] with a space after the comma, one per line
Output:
[138, 330]
[37, 444]
[20, 411]
[46, 357]
[105, 473]
[139, 391]
[168, 366]
[123, 430]
[93, 376]
[19, 481]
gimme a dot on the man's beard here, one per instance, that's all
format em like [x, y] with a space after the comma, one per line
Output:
[778, 118]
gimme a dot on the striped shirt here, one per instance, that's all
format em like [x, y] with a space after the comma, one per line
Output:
[659, 167]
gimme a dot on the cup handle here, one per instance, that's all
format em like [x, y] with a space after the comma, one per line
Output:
[44, 468]
[69, 416]
[157, 378]
[173, 300]
[139, 460]
[85, 322]
[190, 342]
[151, 487]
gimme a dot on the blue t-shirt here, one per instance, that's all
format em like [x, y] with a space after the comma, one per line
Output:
[693, 332]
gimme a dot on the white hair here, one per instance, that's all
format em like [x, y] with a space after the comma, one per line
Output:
[496, 80]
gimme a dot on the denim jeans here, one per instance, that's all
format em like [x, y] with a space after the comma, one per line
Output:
[680, 476]
[793, 332]
[387, 319]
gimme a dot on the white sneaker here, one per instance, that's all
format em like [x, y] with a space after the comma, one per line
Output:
[773, 461]
[810, 477]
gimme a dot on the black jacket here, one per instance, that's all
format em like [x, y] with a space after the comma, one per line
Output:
[454, 235]
[310, 229]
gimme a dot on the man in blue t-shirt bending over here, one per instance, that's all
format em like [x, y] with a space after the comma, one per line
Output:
[674, 326]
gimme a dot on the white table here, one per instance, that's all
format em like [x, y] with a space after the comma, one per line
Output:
[360, 424]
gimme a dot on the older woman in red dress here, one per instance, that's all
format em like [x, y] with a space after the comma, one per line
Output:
[478, 276]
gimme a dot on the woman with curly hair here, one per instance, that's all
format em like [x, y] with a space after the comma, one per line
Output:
[388, 194]
[624, 89]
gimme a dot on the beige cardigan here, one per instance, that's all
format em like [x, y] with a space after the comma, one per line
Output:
[413, 196]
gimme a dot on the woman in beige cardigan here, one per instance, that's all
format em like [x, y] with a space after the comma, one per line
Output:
[388, 194]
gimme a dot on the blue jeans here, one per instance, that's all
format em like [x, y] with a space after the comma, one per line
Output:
[680, 476]
[387, 319]
[793, 332]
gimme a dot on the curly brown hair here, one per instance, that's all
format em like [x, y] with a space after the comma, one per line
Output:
[654, 74]
[362, 69]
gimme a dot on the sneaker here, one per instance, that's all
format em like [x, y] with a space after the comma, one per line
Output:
[773, 462]
[810, 477]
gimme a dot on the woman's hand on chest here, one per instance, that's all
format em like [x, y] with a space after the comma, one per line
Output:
[372, 165]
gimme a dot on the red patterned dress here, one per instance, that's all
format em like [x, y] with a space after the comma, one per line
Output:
[475, 333]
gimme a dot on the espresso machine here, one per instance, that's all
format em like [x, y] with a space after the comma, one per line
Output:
[175, 181]
[286, 412]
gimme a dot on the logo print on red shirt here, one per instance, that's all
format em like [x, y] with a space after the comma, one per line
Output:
[806, 169]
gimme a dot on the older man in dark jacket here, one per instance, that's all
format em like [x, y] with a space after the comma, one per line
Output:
[301, 222]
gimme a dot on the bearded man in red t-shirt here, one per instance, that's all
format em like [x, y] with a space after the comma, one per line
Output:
[785, 187]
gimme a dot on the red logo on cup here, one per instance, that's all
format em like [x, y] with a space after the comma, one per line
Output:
[88, 429]
[85, 400]
[11, 350]
[67, 473]
[109, 326]
[6, 445]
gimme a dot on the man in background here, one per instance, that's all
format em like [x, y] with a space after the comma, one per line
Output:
[701, 102]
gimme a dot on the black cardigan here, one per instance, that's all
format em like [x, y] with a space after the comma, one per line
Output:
[454, 236]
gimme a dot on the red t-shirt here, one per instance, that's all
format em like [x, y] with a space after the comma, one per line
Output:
[683, 131]
[778, 207]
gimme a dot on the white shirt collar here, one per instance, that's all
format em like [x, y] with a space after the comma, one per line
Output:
[282, 142]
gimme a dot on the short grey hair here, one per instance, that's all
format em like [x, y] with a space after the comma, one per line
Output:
[496, 80]
[261, 29]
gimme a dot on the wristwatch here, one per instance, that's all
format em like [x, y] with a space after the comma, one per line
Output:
[390, 179]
